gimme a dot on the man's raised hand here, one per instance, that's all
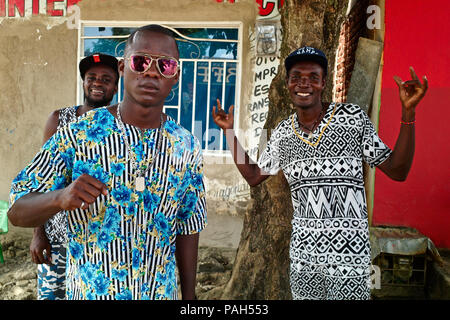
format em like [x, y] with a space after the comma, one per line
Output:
[221, 118]
[411, 91]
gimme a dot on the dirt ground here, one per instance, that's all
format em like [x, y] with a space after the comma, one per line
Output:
[17, 273]
[218, 243]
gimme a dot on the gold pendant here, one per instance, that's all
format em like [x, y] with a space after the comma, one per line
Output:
[140, 184]
[310, 136]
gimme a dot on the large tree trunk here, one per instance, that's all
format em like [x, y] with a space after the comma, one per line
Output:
[261, 268]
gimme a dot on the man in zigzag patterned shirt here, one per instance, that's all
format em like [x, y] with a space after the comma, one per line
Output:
[48, 246]
[321, 149]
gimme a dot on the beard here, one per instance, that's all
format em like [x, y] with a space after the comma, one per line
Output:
[97, 103]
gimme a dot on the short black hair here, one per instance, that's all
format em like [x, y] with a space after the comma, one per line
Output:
[153, 28]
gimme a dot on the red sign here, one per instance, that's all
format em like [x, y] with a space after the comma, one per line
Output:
[17, 8]
[266, 7]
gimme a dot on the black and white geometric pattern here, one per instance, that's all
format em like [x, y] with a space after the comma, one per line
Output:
[55, 227]
[316, 282]
[330, 249]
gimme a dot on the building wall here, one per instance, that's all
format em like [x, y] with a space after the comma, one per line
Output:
[417, 35]
[37, 75]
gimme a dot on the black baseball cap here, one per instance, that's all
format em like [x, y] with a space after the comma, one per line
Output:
[98, 59]
[306, 54]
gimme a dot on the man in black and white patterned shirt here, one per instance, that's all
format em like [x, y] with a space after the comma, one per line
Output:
[321, 149]
[100, 76]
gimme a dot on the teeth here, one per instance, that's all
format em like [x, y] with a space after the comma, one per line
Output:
[303, 94]
[96, 91]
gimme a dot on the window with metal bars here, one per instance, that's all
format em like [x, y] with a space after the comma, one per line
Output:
[209, 58]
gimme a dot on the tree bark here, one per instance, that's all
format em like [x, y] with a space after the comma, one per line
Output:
[261, 268]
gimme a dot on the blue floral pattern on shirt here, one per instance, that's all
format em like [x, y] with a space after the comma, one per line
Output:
[123, 245]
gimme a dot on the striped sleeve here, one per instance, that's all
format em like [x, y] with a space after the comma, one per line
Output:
[46, 172]
[191, 215]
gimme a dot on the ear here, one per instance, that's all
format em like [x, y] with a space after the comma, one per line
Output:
[324, 77]
[121, 67]
[324, 81]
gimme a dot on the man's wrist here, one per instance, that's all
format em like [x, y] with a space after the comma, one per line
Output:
[56, 199]
[38, 231]
[408, 115]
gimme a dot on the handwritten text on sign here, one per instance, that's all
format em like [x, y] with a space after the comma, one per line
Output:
[266, 69]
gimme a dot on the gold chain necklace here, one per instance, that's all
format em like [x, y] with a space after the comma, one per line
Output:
[321, 133]
[310, 136]
[140, 179]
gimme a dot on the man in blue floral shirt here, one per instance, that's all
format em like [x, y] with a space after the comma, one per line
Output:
[130, 180]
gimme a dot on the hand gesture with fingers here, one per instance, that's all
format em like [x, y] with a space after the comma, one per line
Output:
[221, 118]
[81, 193]
[411, 91]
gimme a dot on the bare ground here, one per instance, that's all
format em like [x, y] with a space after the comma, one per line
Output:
[18, 273]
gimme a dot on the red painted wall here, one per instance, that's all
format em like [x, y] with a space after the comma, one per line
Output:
[418, 34]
